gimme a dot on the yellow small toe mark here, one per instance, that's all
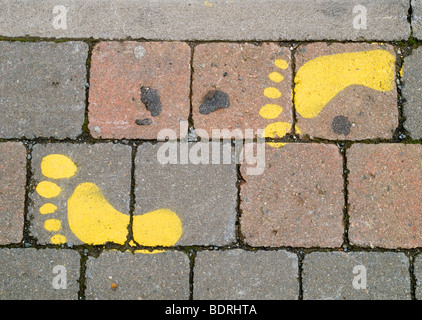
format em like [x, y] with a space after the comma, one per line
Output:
[282, 64]
[58, 239]
[52, 225]
[48, 208]
[276, 77]
[272, 93]
[58, 166]
[270, 111]
[48, 189]
[277, 129]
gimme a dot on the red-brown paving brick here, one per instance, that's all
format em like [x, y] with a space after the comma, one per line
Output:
[384, 195]
[12, 191]
[240, 70]
[298, 200]
[119, 70]
[360, 112]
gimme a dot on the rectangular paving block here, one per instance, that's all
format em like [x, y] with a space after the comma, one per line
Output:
[203, 196]
[418, 276]
[417, 18]
[346, 91]
[45, 274]
[412, 93]
[12, 191]
[297, 201]
[241, 86]
[356, 276]
[208, 20]
[384, 195]
[138, 88]
[118, 275]
[245, 275]
[97, 180]
[42, 89]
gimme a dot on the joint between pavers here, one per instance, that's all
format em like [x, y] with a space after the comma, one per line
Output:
[300, 257]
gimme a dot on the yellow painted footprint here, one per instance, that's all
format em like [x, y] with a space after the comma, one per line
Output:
[94, 221]
[319, 80]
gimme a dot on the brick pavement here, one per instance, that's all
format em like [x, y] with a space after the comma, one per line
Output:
[95, 205]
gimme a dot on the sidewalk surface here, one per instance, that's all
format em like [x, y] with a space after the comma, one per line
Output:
[95, 94]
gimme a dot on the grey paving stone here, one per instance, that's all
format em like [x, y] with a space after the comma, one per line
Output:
[331, 276]
[245, 275]
[204, 196]
[29, 274]
[412, 92]
[107, 165]
[12, 191]
[418, 275]
[208, 20]
[417, 18]
[115, 275]
[42, 89]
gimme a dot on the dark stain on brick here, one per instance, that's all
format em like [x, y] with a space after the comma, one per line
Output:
[151, 100]
[341, 125]
[213, 101]
[143, 122]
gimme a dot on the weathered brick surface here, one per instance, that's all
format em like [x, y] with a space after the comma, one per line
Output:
[203, 196]
[412, 93]
[245, 275]
[12, 191]
[355, 113]
[212, 20]
[297, 201]
[107, 165]
[28, 274]
[42, 89]
[384, 195]
[126, 276]
[119, 71]
[241, 71]
[335, 275]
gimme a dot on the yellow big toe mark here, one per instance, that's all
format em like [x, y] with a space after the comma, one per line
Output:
[277, 129]
[94, 221]
[58, 166]
[48, 189]
[321, 79]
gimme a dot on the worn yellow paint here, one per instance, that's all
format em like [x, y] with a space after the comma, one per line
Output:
[321, 79]
[401, 71]
[282, 64]
[52, 225]
[208, 4]
[58, 166]
[48, 208]
[48, 189]
[94, 221]
[277, 129]
[58, 239]
[275, 77]
[272, 93]
[270, 111]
